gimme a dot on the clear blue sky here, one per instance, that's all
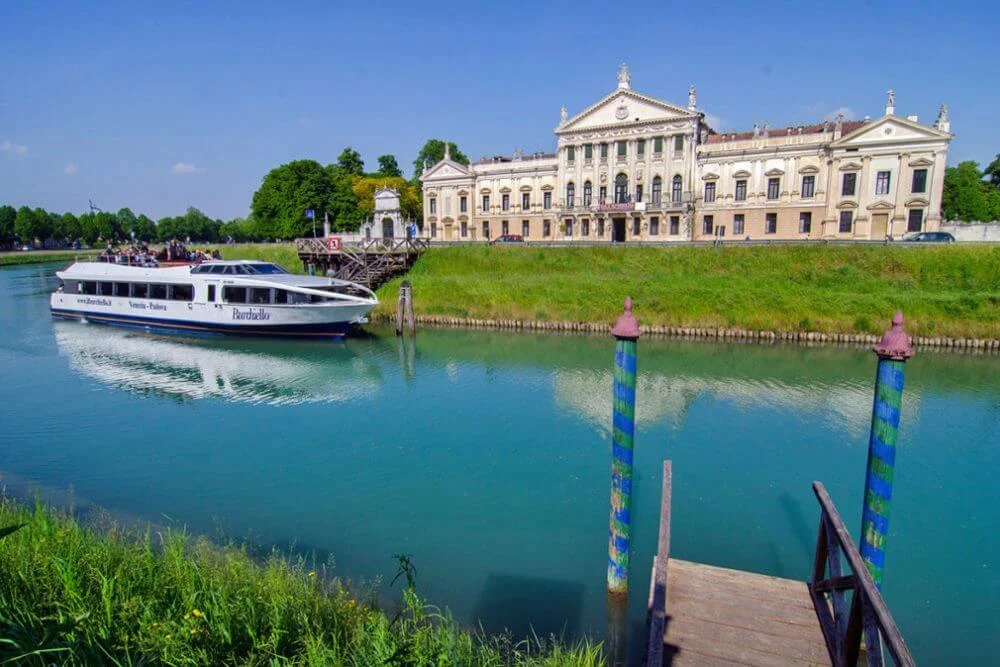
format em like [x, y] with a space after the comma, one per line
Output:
[107, 102]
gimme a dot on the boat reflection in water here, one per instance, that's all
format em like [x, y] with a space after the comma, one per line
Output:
[250, 371]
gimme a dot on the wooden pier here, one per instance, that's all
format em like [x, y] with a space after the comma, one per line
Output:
[706, 615]
[368, 262]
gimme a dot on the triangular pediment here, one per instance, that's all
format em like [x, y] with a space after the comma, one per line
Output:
[890, 129]
[624, 107]
[880, 205]
[446, 169]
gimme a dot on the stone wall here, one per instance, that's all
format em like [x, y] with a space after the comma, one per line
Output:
[973, 231]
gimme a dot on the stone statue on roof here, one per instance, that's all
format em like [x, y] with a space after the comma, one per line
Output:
[692, 98]
[624, 78]
[562, 115]
[756, 130]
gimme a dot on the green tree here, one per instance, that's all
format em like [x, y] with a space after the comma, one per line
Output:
[350, 162]
[67, 227]
[345, 212]
[8, 214]
[993, 171]
[965, 196]
[126, 222]
[387, 166]
[433, 152]
[31, 225]
[145, 228]
[279, 205]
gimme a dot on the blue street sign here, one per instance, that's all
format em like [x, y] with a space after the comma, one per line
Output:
[310, 213]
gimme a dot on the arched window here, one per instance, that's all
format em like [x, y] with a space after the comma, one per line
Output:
[570, 194]
[657, 189]
[675, 193]
[621, 189]
[588, 191]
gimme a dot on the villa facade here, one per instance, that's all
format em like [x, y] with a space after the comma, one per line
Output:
[634, 168]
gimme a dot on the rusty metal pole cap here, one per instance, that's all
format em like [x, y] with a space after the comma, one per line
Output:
[627, 326]
[895, 344]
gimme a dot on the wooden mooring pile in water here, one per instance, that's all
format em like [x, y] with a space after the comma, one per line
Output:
[369, 262]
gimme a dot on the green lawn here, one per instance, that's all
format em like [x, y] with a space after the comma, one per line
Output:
[71, 594]
[41, 256]
[943, 290]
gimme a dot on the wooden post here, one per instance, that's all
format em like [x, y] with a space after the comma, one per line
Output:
[409, 309]
[404, 309]
[893, 351]
[626, 333]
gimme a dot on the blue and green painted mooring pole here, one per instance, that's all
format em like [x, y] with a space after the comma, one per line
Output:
[893, 351]
[626, 333]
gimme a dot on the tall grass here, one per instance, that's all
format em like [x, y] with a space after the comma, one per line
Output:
[41, 257]
[71, 594]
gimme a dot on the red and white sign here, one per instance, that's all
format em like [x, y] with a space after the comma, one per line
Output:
[333, 243]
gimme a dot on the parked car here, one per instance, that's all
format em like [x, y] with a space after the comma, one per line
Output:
[26, 248]
[508, 238]
[930, 237]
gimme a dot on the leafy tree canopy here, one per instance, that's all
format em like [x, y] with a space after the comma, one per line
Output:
[967, 196]
[350, 162]
[993, 171]
[7, 216]
[387, 166]
[279, 206]
[433, 152]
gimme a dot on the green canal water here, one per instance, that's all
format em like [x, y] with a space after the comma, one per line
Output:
[486, 457]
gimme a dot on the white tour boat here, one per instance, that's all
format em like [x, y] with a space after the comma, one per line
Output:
[216, 297]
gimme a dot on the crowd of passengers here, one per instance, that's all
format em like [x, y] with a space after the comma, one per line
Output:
[142, 255]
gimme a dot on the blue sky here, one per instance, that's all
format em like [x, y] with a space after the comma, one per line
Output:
[158, 106]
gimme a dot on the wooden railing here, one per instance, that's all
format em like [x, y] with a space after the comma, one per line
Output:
[309, 246]
[829, 586]
[657, 608]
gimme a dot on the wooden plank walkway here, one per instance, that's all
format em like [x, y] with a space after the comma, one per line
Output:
[717, 616]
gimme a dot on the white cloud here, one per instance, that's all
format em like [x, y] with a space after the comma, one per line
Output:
[186, 168]
[14, 149]
[71, 168]
[714, 122]
[848, 113]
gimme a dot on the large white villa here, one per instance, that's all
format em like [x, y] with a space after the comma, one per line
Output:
[632, 167]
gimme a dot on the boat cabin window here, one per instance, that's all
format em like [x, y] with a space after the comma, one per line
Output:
[260, 295]
[88, 287]
[106, 289]
[157, 291]
[140, 290]
[234, 294]
[182, 293]
[211, 293]
[264, 269]
[218, 268]
[284, 296]
[122, 289]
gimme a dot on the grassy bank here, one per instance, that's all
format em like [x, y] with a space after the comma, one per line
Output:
[944, 290]
[71, 594]
[41, 256]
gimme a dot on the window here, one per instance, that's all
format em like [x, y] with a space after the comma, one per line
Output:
[157, 291]
[600, 227]
[741, 189]
[588, 191]
[770, 223]
[709, 192]
[185, 293]
[640, 147]
[603, 196]
[505, 202]
[654, 226]
[569, 227]
[675, 192]
[486, 230]
[121, 289]
[546, 228]
[604, 151]
[570, 153]
[636, 230]
[434, 230]
[621, 189]
[88, 287]
[638, 192]
[915, 220]
[570, 194]
[433, 204]
[882, 183]
[140, 290]
[657, 144]
[525, 201]
[708, 225]
[588, 152]
[846, 222]
[622, 148]
[525, 228]
[657, 189]
[919, 180]
[505, 227]
[211, 293]
[547, 200]
[106, 289]
[808, 187]
[738, 222]
[585, 227]
[679, 142]
[486, 203]
[850, 184]
[773, 186]
[463, 204]
[234, 294]
[464, 230]
[675, 225]
[260, 295]
[805, 222]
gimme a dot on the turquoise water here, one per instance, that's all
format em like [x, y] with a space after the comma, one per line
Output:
[486, 456]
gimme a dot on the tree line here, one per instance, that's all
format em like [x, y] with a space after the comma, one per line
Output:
[341, 192]
[970, 194]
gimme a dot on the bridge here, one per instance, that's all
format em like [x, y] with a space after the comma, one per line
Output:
[369, 262]
[706, 615]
